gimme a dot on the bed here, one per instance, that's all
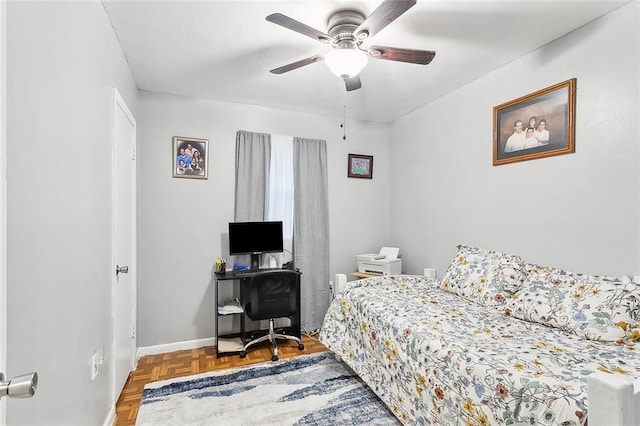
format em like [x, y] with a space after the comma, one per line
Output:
[493, 342]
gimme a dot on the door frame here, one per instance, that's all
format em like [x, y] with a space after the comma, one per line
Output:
[3, 200]
[120, 104]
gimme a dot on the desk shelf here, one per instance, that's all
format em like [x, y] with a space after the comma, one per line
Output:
[230, 310]
[232, 341]
[229, 344]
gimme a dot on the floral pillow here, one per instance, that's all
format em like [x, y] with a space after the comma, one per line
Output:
[593, 307]
[484, 276]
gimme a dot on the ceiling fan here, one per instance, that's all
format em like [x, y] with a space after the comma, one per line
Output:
[346, 31]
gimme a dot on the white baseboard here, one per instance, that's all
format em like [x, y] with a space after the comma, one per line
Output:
[177, 346]
[111, 417]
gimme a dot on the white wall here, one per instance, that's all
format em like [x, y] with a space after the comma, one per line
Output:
[63, 60]
[578, 211]
[181, 220]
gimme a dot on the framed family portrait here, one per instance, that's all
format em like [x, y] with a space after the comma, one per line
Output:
[360, 166]
[538, 125]
[189, 158]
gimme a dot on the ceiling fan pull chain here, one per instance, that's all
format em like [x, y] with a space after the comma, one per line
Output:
[344, 122]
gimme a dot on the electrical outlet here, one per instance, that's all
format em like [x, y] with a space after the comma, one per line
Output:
[94, 365]
[96, 361]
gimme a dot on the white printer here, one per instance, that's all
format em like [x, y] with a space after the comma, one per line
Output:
[384, 263]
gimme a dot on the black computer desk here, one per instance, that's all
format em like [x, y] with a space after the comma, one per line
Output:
[236, 280]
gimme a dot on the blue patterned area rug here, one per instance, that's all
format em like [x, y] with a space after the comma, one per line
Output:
[305, 390]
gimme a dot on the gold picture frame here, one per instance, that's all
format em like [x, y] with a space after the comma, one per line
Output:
[538, 125]
[190, 158]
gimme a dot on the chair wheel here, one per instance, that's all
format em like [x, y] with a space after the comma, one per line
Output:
[274, 358]
[300, 346]
[243, 354]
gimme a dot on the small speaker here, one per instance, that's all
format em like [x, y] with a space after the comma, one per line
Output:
[339, 283]
[430, 273]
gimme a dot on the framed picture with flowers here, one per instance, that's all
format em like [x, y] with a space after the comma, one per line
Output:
[360, 166]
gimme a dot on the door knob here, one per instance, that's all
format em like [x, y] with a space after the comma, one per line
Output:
[121, 269]
[19, 387]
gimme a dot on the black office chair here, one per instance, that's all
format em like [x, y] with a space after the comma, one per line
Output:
[269, 295]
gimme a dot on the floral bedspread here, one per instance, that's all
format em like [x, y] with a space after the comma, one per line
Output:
[439, 359]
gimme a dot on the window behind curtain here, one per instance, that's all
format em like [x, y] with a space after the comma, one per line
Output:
[279, 195]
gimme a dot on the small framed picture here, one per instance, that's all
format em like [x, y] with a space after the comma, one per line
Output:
[360, 166]
[541, 124]
[189, 158]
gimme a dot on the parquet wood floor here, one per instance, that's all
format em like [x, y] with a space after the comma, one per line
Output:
[184, 363]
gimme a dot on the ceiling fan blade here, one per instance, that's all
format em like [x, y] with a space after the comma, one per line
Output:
[292, 24]
[295, 65]
[353, 83]
[414, 56]
[384, 14]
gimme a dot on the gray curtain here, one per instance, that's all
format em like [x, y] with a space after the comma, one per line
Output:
[311, 228]
[253, 155]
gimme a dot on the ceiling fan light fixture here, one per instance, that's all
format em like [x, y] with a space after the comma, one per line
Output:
[346, 63]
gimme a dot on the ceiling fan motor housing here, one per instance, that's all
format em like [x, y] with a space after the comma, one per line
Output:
[341, 25]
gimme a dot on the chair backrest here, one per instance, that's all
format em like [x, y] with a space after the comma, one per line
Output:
[272, 294]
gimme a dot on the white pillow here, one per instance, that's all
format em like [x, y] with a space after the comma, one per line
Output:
[484, 276]
[594, 307]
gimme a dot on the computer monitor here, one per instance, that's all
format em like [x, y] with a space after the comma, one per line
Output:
[255, 238]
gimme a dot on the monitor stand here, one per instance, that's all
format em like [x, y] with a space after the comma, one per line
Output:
[255, 262]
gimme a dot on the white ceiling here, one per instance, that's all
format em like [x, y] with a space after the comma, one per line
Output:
[223, 50]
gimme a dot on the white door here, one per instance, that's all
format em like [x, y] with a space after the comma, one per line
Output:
[124, 243]
[3, 195]
[17, 385]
